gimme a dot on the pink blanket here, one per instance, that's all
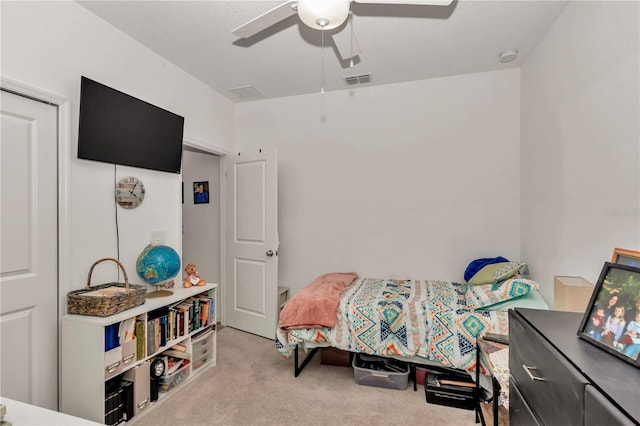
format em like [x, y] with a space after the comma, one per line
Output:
[316, 305]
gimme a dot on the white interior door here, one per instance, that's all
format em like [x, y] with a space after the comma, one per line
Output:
[29, 251]
[252, 242]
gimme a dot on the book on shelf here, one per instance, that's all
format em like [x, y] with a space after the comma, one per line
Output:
[157, 313]
[187, 307]
[174, 365]
[177, 354]
[180, 322]
[141, 340]
[207, 309]
[196, 313]
[113, 403]
[164, 330]
[151, 337]
[179, 347]
[171, 321]
[202, 333]
[205, 306]
[111, 339]
[156, 332]
[127, 399]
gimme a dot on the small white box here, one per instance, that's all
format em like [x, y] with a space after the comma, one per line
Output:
[112, 362]
[128, 352]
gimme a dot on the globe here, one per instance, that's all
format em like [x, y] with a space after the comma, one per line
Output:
[156, 265]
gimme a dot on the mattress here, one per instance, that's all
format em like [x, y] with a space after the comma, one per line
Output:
[423, 321]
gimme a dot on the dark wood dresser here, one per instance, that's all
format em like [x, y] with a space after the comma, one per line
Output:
[558, 379]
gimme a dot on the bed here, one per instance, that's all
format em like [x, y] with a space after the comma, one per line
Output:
[425, 322]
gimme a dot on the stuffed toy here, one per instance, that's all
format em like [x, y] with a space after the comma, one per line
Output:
[192, 278]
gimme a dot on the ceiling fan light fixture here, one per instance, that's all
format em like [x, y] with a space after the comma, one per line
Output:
[322, 22]
[323, 14]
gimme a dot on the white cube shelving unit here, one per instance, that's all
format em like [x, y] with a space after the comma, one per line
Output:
[85, 366]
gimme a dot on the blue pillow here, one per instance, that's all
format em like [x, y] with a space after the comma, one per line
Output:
[478, 264]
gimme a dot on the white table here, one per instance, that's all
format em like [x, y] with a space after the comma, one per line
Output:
[19, 414]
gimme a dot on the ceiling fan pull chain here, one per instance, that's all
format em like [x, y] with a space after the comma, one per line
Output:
[322, 63]
[351, 40]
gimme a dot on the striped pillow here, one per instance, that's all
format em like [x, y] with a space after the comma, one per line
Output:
[480, 296]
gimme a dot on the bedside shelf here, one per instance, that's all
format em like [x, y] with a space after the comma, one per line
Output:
[571, 294]
[283, 296]
[493, 413]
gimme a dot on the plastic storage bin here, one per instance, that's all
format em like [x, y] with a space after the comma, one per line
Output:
[202, 342]
[174, 379]
[201, 361]
[380, 372]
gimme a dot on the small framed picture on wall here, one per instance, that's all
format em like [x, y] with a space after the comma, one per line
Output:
[201, 192]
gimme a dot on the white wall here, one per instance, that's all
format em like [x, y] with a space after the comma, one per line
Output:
[49, 45]
[201, 222]
[411, 180]
[581, 142]
[408, 180]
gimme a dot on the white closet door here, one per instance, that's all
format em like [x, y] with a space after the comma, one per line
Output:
[29, 251]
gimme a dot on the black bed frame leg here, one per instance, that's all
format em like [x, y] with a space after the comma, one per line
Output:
[298, 368]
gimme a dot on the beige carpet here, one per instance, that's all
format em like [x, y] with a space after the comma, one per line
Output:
[252, 384]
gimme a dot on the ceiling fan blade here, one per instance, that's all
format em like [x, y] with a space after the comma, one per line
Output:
[416, 2]
[346, 43]
[266, 20]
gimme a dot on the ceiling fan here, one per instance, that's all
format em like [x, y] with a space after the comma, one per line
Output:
[322, 15]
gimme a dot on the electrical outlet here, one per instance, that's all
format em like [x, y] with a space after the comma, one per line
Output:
[157, 236]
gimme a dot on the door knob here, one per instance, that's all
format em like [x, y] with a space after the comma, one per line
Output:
[269, 253]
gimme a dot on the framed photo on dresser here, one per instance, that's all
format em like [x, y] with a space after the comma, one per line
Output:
[612, 319]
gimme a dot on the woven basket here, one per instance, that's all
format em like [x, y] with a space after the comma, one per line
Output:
[105, 299]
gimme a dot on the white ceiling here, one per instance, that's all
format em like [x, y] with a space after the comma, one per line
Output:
[398, 43]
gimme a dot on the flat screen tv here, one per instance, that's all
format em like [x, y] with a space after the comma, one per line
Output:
[117, 128]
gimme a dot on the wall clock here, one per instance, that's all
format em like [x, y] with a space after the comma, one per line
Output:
[129, 192]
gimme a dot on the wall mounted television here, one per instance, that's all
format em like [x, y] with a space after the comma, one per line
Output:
[117, 128]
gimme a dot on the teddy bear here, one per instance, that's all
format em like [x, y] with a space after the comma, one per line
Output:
[192, 278]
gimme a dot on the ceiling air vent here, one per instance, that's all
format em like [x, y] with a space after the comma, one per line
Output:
[358, 79]
[247, 93]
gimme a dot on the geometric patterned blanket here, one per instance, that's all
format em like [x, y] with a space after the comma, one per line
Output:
[421, 319]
